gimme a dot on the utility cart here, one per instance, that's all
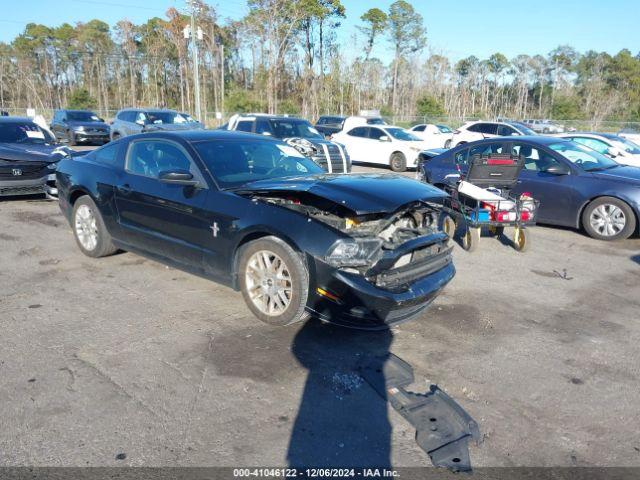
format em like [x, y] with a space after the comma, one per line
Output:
[482, 198]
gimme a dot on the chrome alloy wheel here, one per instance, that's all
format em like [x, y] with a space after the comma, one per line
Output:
[86, 228]
[269, 283]
[608, 220]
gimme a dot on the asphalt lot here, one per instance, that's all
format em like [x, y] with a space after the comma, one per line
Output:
[123, 355]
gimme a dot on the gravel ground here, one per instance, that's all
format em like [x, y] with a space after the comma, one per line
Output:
[122, 355]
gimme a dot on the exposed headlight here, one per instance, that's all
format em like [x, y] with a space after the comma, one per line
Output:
[52, 166]
[352, 252]
[78, 128]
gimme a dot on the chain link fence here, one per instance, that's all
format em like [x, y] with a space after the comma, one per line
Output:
[215, 119]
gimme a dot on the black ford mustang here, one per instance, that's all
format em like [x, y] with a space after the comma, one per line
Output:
[253, 213]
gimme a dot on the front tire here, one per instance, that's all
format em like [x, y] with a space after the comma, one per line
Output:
[274, 281]
[89, 229]
[607, 218]
[398, 162]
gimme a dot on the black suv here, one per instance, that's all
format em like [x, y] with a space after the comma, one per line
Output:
[79, 126]
[298, 133]
[327, 125]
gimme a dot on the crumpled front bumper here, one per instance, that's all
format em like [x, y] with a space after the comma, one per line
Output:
[43, 185]
[356, 302]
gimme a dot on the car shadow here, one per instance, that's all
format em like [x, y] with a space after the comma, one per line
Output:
[341, 421]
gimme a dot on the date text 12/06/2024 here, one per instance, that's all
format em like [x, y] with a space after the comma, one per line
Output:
[315, 472]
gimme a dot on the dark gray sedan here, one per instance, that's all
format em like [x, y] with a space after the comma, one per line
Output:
[576, 186]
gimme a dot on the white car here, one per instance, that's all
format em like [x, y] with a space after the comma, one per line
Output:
[622, 150]
[436, 136]
[382, 144]
[544, 126]
[630, 134]
[472, 131]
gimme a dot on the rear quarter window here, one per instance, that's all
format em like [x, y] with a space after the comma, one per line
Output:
[107, 155]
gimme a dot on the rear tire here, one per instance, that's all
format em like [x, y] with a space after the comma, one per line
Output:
[398, 162]
[89, 229]
[274, 281]
[609, 219]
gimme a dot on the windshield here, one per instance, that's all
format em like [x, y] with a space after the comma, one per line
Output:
[444, 128]
[185, 118]
[163, 118]
[234, 163]
[627, 145]
[375, 121]
[294, 128]
[401, 134]
[587, 159]
[26, 133]
[82, 117]
[523, 128]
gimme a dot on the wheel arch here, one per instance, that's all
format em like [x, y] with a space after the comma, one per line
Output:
[256, 234]
[78, 192]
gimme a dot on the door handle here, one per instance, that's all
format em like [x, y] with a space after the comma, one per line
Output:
[124, 189]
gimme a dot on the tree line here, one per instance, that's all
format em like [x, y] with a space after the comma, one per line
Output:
[284, 56]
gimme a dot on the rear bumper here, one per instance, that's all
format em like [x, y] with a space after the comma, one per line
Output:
[358, 303]
[44, 185]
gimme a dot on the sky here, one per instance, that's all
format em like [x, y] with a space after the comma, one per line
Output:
[456, 28]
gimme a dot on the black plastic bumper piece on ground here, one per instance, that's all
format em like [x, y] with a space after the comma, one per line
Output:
[443, 428]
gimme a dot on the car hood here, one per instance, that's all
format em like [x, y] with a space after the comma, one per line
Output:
[620, 174]
[32, 153]
[88, 124]
[363, 193]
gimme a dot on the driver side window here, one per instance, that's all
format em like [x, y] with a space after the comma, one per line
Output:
[506, 131]
[376, 133]
[535, 160]
[149, 158]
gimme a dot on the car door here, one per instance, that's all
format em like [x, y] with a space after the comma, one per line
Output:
[355, 143]
[377, 150]
[556, 193]
[160, 218]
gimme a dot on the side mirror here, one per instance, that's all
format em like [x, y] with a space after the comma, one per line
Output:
[177, 177]
[557, 169]
[384, 138]
[613, 152]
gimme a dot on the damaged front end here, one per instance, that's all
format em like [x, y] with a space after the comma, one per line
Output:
[382, 268]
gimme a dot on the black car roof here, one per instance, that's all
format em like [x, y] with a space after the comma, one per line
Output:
[15, 119]
[193, 136]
